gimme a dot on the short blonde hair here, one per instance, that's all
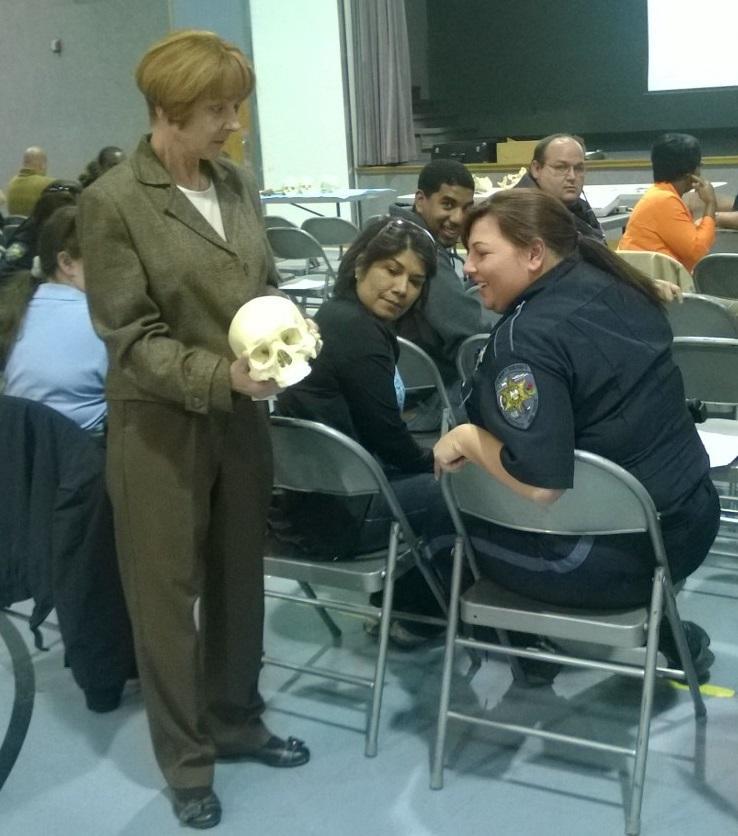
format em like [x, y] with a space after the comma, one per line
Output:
[189, 65]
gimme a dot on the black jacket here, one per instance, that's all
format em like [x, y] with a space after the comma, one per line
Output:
[56, 540]
[351, 386]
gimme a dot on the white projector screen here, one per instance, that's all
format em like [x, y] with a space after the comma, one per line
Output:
[691, 44]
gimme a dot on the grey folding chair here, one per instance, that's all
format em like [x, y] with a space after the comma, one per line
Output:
[709, 368]
[420, 374]
[331, 232]
[311, 457]
[605, 499]
[659, 266]
[466, 356]
[701, 316]
[292, 243]
[274, 221]
[717, 275]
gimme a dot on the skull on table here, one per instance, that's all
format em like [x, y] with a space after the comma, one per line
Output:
[273, 336]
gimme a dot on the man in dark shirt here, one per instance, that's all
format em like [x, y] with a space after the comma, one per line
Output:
[449, 315]
[557, 168]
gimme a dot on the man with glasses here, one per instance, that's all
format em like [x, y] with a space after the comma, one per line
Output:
[557, 168]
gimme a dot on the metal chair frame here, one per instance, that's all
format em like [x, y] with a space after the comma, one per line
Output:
[420, 373]
[466, 356]
[278, 222]
[709, 367]
[717, 275]
[312, 457]
[331, 232]
[295, 243]
[605, 499]
[701, 316]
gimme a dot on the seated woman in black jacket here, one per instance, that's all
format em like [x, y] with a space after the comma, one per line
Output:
[354, 386]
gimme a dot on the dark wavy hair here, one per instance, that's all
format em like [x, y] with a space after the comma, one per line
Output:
[58, 234]
[526, 214]
[383, 238]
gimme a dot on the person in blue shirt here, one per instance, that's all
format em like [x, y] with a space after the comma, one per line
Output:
[49, 351]
[580, 360]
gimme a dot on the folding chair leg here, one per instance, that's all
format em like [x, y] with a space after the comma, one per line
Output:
[325, 617]
[426, 570]
[677, 628]
[633, 826]
[372, 731]
[436, 782]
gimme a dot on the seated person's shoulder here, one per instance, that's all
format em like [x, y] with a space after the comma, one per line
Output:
[350, 316]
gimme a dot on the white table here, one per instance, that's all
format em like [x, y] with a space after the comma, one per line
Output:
[338, 197]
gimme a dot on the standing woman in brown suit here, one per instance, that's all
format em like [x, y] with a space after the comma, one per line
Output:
[174, 245]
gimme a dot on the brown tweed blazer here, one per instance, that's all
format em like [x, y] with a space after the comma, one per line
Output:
[162, 285]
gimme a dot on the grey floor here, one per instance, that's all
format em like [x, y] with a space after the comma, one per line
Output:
[81, 774]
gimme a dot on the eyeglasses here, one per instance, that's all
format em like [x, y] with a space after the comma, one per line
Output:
[402, 223]
[562, 169]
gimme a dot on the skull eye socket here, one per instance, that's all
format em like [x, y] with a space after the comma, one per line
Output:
[291, 336]
[261, 354]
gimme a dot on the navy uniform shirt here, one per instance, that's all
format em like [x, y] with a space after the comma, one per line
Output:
[584, 361]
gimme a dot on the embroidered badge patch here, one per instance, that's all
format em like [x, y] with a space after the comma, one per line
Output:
[517, 395]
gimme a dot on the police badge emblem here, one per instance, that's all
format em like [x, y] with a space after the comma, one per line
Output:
[517, 395]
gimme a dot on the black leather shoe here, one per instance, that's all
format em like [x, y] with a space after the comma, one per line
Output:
[275, 752]
[200, 812]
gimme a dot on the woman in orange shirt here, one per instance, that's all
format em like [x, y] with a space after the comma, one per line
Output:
[661, 221]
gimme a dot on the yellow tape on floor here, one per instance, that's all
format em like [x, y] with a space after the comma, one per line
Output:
[707, 690]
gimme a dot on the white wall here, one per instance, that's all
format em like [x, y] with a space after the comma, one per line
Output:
[299, 85]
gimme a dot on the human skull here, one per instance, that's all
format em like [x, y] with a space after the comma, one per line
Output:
[271, 333]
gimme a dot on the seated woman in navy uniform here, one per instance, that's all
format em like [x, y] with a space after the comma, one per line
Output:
[586, 347]
[354, 386]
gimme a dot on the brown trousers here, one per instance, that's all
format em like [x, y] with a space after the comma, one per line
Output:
[190, 495]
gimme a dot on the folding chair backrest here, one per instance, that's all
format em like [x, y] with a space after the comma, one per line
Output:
[659, 266]
[312, 457]
[466, 356]
[701, 316]
[272, 221]
[717, 275]
[709, 368]
[292, 242]
[605, 499]
[331, 232]
[419, 372]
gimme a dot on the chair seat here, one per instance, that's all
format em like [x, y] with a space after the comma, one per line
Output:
[361, 574]
[488, 604]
